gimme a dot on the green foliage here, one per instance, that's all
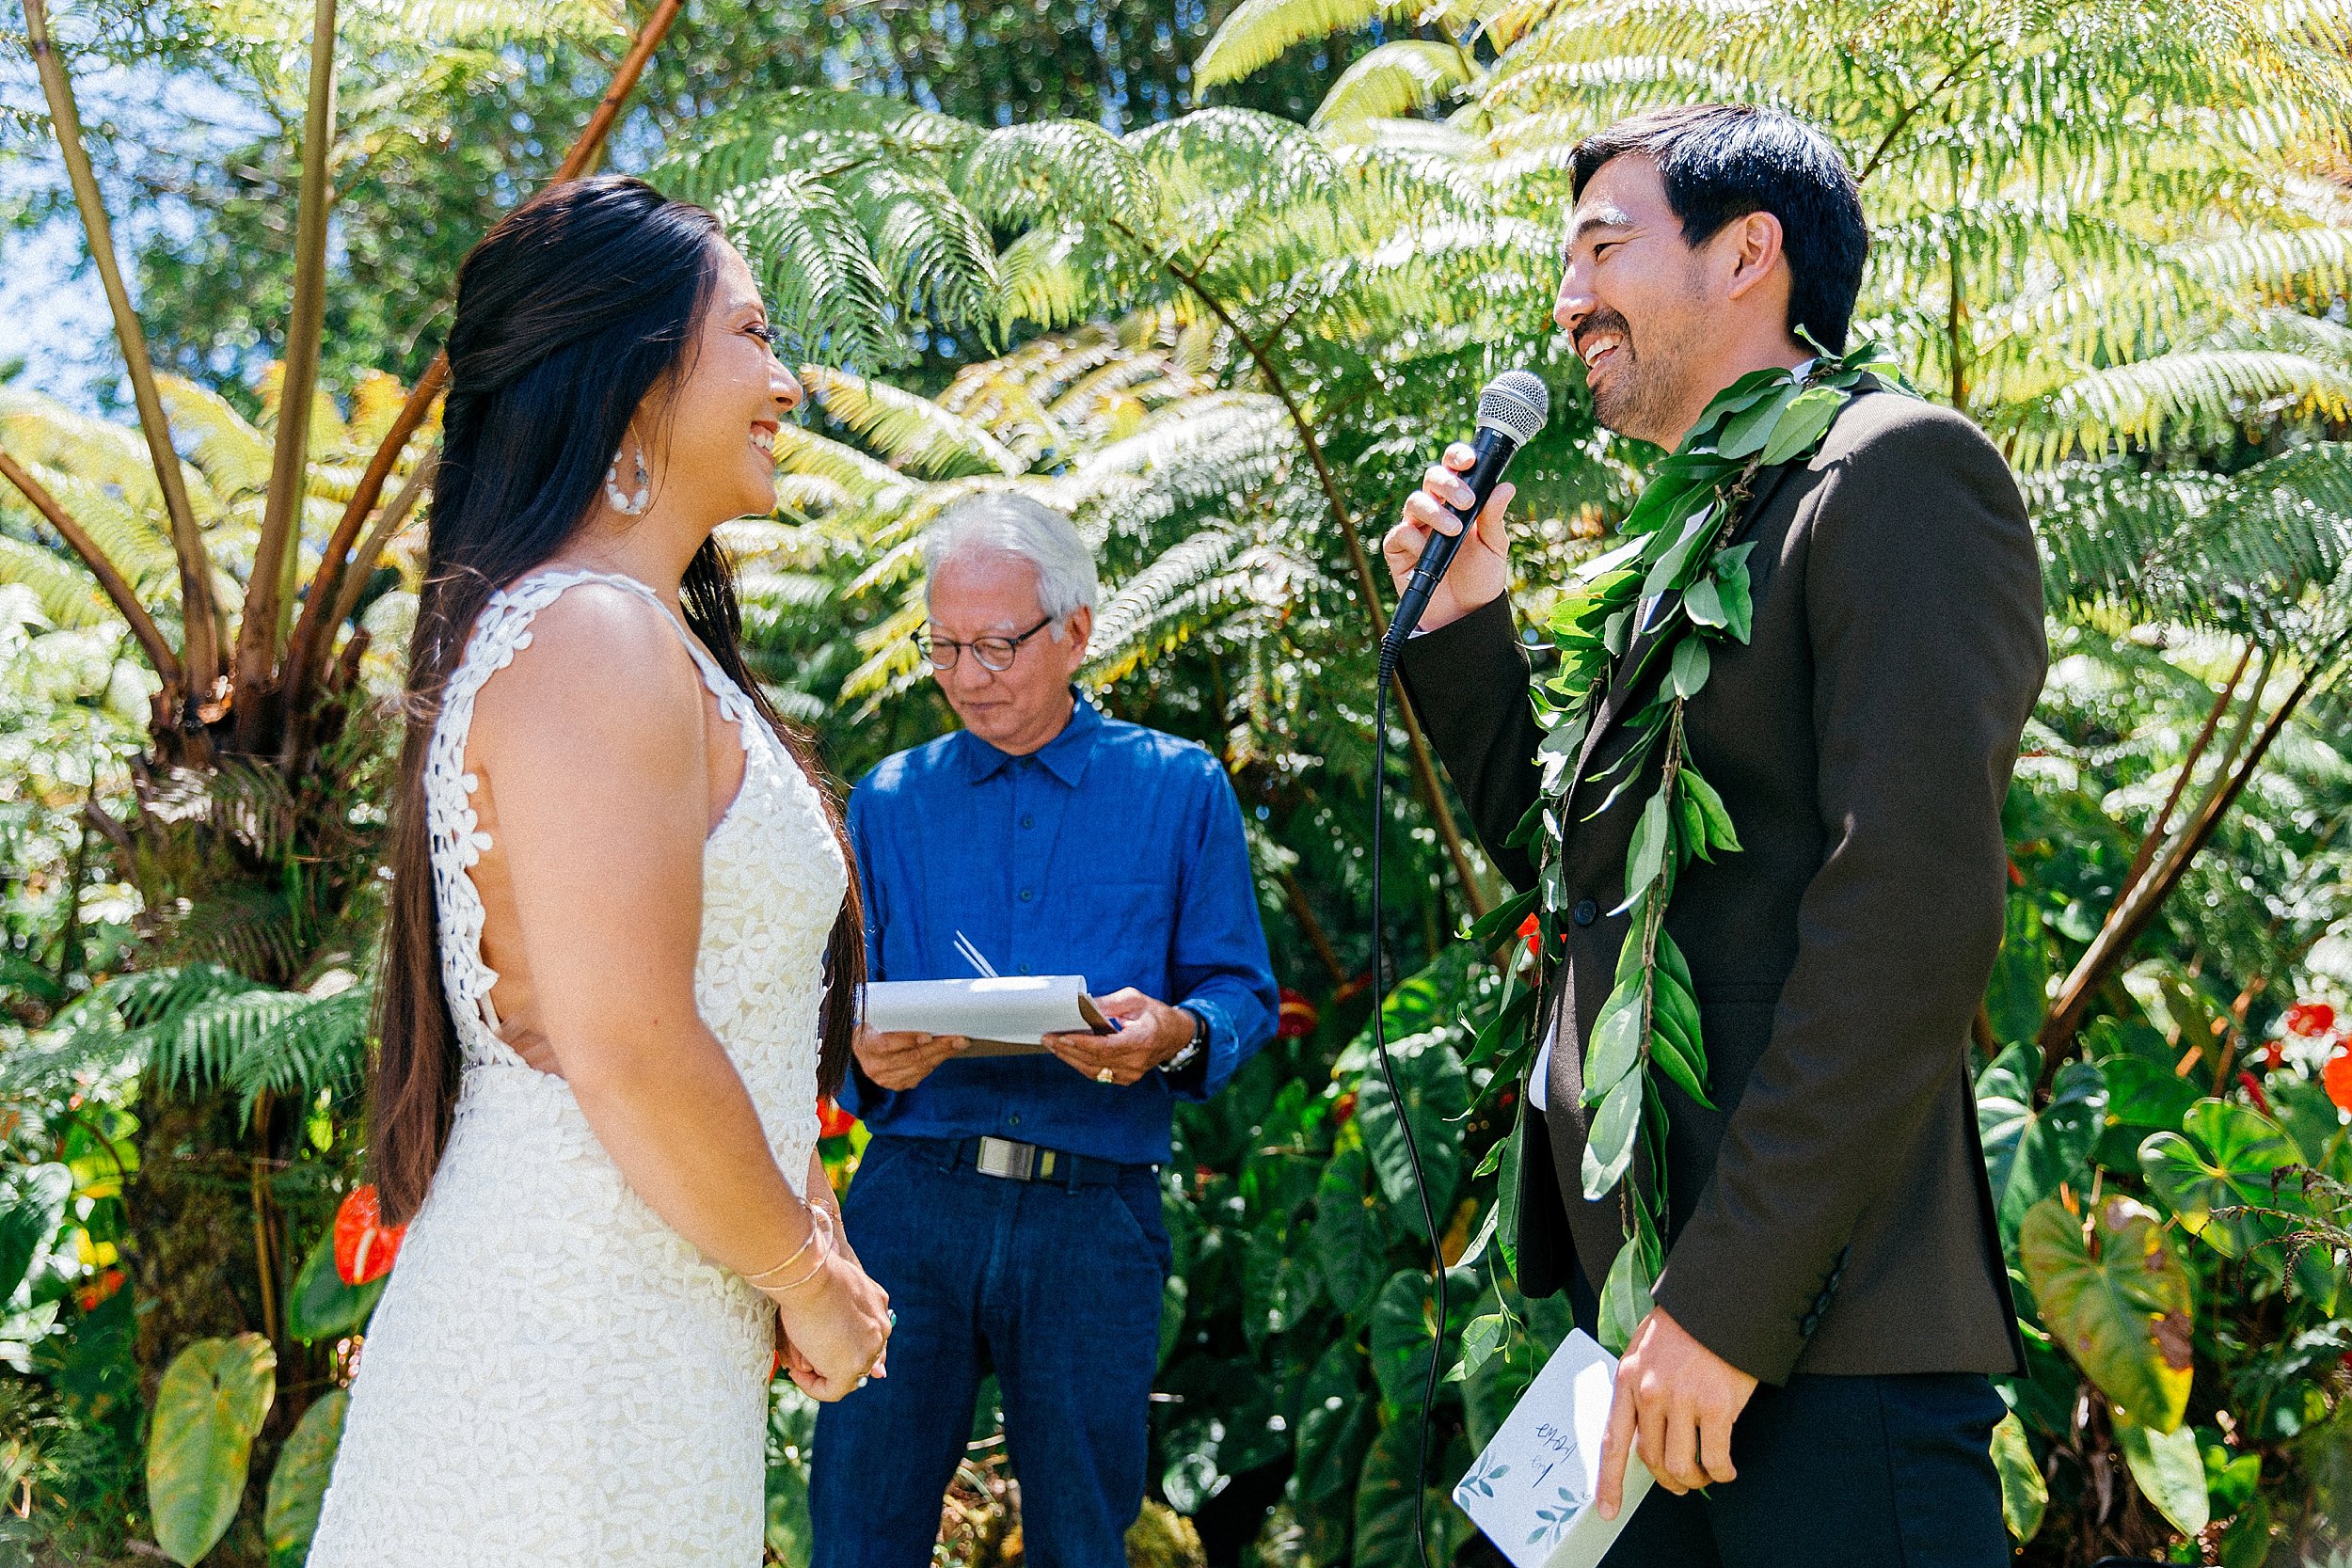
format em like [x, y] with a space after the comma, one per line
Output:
[2117, 1300]
[297, 1484]
[207, 1411]
[2025, 1496]
[1224, 339]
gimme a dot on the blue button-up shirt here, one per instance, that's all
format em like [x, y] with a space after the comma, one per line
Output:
[1115, 852]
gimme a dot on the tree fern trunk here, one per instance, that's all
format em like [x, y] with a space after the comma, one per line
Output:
[191, 1244]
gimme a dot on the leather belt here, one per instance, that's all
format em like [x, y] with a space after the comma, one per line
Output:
[1010, 1161]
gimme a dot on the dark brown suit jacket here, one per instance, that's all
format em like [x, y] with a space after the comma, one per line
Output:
[1832, 1215]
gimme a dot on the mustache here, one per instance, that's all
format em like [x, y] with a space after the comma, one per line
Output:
[1603, 319]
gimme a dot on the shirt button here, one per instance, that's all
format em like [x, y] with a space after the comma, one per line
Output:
[1023, 970]
[1013, 1121]
[1585, 912]
[1027, 893]
[1027, 820]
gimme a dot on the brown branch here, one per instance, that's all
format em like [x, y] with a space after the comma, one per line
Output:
[1903, 122]
[388, 524]
[313, 626]
[199, 636]
[2162, 827]
[118, 589]
[2130, 919]
[268, 588]
[1954, 324]
[1424, 769]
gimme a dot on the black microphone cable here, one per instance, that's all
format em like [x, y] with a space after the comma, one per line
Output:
[1511, 411]
[1388, 1077]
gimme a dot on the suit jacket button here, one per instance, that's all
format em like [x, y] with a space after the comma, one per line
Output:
[1585, 912]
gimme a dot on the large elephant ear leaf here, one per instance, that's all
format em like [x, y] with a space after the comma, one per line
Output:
[2117, 1300]
[2025, 1496]
[1385, 1500]
[297, 1487]
[1348, 1242]
[2219, 1171]
[1405, 1331]
[208, 1410]
[2170, 1472]
[1432, 1097]
[2028, 1152]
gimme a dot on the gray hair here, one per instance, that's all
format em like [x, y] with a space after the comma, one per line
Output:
[1004, 522]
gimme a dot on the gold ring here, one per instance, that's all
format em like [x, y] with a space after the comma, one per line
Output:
[1105, 1076]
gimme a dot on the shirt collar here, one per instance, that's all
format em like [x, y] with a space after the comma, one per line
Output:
[1064, 756]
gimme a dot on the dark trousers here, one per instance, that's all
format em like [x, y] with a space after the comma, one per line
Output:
[1841, 1472]
[1059, 1287]
[1893, 1471]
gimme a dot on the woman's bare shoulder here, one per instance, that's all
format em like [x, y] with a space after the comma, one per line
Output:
[604, 669]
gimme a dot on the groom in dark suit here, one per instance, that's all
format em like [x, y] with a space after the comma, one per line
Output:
[1834, 1294]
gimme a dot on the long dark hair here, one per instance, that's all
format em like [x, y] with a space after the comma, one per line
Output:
[576, 305]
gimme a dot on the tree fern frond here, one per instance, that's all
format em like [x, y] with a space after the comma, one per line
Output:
[912, 430]
[69, 596]
[1154, 610]
[1394, 80]
[2144, 402]
[41, 430]
[889, 648]
[1256, 32]
[320, 1044]
[1024, 173]
[826, 291]
[234, 456]
[864, 482]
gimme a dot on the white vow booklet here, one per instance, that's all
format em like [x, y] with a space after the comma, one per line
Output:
[1006, 1016]
[1532, 1490]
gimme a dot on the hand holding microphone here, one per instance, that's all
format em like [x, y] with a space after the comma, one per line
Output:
[1441, 573]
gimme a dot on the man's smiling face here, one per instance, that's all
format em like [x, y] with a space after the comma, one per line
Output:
[1634, 300]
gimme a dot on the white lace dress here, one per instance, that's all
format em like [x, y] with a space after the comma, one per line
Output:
[554, 1376]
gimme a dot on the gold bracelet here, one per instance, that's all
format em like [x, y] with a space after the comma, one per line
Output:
[817, 1219]
[824, 1256]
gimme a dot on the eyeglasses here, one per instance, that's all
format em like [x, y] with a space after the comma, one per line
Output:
[994, 652]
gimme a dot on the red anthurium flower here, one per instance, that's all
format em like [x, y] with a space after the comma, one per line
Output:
[2310, 1019]
[2274, 1055]
[1344, 1109]
[831, 1121]
[364, 1244]
[2337, 1077]
[1531, 931]
[2261, 1101]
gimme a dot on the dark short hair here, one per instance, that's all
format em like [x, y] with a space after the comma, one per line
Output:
[1723, 161]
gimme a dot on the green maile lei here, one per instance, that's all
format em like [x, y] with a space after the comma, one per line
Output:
[1678, 575]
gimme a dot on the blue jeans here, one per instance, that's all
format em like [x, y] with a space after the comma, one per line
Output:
[1059, 1287]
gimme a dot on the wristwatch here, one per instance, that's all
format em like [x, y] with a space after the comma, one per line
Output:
[1191, 1053]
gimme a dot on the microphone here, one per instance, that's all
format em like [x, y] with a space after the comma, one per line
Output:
[1511, 413]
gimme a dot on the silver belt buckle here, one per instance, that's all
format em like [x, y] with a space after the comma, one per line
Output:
[1005, 1157]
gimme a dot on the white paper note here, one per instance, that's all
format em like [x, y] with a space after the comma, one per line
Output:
[1532, 1490]
[1015, 1009]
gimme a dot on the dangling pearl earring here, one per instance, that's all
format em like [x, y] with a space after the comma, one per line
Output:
[628, 505]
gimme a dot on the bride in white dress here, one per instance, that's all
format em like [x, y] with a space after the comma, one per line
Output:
[618, 889]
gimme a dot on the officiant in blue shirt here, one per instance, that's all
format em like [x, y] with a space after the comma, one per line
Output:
[1010, 1205]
